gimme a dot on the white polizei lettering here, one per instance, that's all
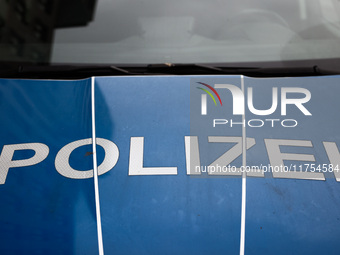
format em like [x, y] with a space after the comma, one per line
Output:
[276, 158]
[7, 162]
[218, 166]
[192, 155]
[136, 161]
[63, 167]
[229, 156]
[334, 158]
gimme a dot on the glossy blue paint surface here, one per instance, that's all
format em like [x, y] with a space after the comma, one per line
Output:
[43, 212]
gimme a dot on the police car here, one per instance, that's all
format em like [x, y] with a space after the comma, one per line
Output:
[169, 127]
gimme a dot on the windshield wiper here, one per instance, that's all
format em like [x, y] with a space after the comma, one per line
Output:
[247, 71]
[62, 71]
[84, 71]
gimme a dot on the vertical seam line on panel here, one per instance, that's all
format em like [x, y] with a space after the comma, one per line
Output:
[95, 170]
[244, 176]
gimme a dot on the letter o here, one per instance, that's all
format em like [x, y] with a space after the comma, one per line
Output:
[291, 120]
[63, 167]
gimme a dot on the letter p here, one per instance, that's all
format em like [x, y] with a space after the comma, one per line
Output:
[7, 162]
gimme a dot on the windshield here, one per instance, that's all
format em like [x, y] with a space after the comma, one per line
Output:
[162, 31]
